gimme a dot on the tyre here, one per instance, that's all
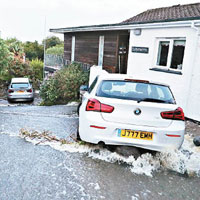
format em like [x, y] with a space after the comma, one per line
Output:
[78, 138]
[32, 100]
[128, 151]
[79, 105]
[9, 100]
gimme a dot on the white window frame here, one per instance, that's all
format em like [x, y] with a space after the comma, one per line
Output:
[101, 50]
[73, 49]
[170, 52]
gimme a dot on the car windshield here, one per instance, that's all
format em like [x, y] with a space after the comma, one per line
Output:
[19, 85]
[137, 91]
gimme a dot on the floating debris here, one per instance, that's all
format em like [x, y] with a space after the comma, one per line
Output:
[43, 137]
[184, 161]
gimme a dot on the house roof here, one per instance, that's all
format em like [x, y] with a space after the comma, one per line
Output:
[166, 14]
[176, 12]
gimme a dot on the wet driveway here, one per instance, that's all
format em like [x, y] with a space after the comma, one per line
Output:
[75, 171]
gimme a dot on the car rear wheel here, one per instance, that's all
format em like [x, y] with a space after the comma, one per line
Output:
[78, 108]
[128, 151]
[78, 138]
[9, 100]
[31, 101]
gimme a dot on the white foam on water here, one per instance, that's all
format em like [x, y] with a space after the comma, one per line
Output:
[73, 103]
[95, 186]
[184, 161]
[73, 115]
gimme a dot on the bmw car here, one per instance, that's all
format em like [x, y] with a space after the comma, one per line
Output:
[20, 89]
[120, 110]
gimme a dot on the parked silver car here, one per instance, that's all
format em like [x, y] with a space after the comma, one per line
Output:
[20, 89]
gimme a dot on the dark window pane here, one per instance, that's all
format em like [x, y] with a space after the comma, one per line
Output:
[178, 54]
[163, 53]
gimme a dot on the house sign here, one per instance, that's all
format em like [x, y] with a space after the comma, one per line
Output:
[140, 49]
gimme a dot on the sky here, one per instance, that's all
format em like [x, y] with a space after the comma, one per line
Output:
[30, 20]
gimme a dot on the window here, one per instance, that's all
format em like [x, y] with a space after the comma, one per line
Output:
[170, 53]
[177, 54]
[137, 91]
[19, 85]
[163, 53]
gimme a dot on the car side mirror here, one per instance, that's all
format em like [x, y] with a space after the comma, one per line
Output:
[84, 88]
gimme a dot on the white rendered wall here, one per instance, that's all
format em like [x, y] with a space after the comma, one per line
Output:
[139, 65]
[193, 105]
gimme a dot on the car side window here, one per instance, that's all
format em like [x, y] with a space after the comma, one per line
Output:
[93, 84]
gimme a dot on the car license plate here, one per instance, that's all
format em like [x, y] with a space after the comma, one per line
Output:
[20, 91]
[143, 135]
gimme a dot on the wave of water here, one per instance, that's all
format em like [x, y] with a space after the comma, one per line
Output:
[184, 161]
[71, 115]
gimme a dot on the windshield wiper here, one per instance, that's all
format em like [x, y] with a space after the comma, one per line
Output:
[154, 100]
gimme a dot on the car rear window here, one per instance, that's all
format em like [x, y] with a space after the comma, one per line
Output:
[138, 91]
[19, 85]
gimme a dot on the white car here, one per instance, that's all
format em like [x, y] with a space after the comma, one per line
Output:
[119, 110]
[20, 89]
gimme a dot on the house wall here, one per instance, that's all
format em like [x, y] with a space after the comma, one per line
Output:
[87, 47]
[139, 65]
[193, 104]
[67, 46]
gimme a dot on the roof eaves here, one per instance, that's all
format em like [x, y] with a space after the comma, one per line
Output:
[83, 27]
[118, 26]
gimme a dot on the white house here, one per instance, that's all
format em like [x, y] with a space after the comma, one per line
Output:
[173, 57]
[161, 44]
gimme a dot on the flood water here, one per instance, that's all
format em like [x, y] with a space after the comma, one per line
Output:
[40, 169]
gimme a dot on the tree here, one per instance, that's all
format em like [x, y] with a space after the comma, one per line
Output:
[52, 41]
[15, 46]
[13, 64]
[33, 50]
[6, 57]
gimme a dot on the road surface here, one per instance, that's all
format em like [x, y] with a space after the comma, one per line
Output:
[50, 170]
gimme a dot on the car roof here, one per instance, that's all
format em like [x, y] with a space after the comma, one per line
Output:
[20, 80]
[125, 76]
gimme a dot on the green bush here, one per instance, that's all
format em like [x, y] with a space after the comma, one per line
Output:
[56, 50]
[6, 57]
[37, 66]
[64, 86]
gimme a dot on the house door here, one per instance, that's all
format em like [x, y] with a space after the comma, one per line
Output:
[123, 47]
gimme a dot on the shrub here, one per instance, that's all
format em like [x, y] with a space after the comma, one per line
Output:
[56, 50]
[64, 86]
[6, 57]
[37, 66]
